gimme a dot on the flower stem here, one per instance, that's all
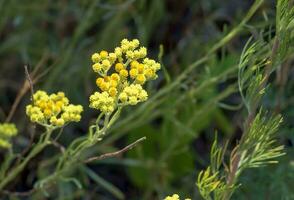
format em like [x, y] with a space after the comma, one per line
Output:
[36, 150]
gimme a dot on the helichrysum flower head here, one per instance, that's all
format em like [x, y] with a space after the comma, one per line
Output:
[102, 101]
[53, 109]
[133, 94]
[7, 131]
[174, 197]
[121, 75]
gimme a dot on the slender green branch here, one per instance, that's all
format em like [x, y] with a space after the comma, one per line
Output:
[74, 152]
[113, 154]
[19, 168]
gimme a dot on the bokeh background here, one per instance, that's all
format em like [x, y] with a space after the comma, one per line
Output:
[56, 38]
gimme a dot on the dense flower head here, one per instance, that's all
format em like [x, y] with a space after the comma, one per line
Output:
[121, 75]
[174, 197]
[7, 131]
[102, 101]
[53, 109]
[133, 94]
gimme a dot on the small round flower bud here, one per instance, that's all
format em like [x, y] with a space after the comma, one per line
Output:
[134, 64]
[99, 81]
[130, 54]
[140, 68]
[60, 122]
[95, 57]
[133, 73]
[118, 52]
[123, 73]
[112, 91]
[103, 54]
[140, 79]
[136, 42]
[106, 64]
[115, 77]
[123, 97]
[133, 100]
[118, 67]
[112, 57]
[97, 67]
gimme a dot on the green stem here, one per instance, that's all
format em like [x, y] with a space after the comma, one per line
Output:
[74, 155]
[6, 163]
[19, 168]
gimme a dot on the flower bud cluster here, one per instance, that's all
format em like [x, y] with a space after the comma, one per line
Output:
[7, 131]
[53, 109]
[174, 197]
[102, 101]
[133, 94]
[121, 76]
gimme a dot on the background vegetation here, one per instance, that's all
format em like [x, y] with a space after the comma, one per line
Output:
[195, 96]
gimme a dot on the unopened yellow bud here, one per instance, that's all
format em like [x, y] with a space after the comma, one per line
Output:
[113, 83]
[140, 68]
[57, 109]
[130, 54]
[59, 104]
[47, 112]
[115, 77]
[118, 67]
[112, 57]
[60, 122]
[112, 91]
[97, 67]
[123, 73]
[133, 73]
[140, 79]
[123, 97]
[150, 74]
[61, 94]
[8, 130]
[125, 42]
[95, 57]
[4, 144]
[134, 64]
[143, 52]
[99, 81]
[103, 54]
[173, 197]
[53, 120]
[136, 42]
[133, 100]
[106, 64]
[118, 52]
[104, 86]
[107, 78]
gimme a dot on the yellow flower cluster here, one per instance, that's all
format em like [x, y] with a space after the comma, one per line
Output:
[53, 109]
[133, 94]
[174, 197]
[102, 101]
[7, 131]
[121, 76]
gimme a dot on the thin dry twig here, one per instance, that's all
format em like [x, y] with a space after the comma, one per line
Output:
[34, 77]
[113, 154]
[30, 82]
[18, 194]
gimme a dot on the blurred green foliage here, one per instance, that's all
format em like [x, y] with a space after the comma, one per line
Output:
[180, 120]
